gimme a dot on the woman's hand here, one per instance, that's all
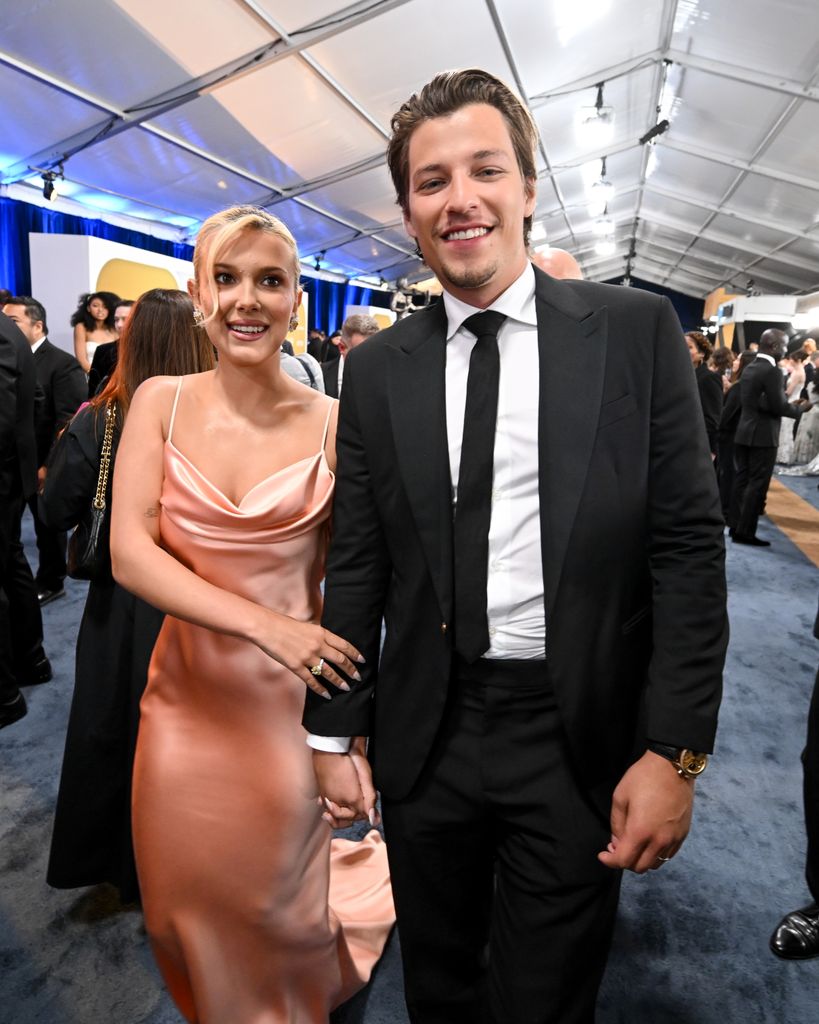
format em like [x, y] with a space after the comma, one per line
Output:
[303, 646]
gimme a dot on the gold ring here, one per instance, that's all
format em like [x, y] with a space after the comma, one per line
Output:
[318, 669]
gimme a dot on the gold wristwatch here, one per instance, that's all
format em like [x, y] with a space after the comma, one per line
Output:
[689, 763]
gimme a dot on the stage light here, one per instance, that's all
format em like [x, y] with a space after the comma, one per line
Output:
[600, 192]
[49, 188]
[605, 247]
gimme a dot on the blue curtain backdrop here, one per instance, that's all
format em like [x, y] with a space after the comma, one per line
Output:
[17, 219]
[328, 299]
[688, 309]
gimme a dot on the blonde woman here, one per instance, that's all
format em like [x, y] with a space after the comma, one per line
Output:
[222, 493]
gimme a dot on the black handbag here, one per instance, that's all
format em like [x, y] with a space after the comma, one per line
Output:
[89, 556]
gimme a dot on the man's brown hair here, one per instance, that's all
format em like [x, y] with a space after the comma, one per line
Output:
[446, 93]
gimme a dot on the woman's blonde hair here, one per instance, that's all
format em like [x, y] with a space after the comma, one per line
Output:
[221, 229]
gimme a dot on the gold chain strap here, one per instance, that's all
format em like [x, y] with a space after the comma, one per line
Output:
[105, 456]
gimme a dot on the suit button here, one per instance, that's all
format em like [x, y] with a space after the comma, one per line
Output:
[443, 628]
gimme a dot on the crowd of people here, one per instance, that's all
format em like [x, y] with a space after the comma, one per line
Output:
[462, 458]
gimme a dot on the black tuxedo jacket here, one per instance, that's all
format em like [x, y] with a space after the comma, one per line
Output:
[764, 403]
[63, 388]
[633, 556]
[18, 449]
[330, 371]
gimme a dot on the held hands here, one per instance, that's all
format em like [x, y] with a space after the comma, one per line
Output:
[650, 815]
[346, 785]
[303, 647]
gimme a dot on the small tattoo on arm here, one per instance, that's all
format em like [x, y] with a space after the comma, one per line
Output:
[152, 512]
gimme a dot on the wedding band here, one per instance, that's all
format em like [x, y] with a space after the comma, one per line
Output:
[318, 669]
[663, 860]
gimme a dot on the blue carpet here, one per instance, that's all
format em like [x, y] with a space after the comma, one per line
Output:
[691, 943]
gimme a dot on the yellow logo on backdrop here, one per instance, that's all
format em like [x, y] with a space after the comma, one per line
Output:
[129, 280]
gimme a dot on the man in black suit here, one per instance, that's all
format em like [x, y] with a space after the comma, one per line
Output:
[532, 509]
[21, 626]
[355, 329]
[757, 436]
[62, 388]
[796, 937]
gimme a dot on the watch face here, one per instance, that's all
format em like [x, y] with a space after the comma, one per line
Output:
[693, 763]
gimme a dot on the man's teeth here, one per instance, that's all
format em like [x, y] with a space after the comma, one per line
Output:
[471, 233]
[246, 329]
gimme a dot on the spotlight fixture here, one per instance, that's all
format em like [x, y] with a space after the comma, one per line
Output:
[319, 257]
[605, 247]
[49, 187]
[658, 129]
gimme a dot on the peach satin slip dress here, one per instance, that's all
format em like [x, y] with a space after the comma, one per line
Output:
[254, 917]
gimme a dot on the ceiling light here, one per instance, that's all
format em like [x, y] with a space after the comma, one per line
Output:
[600, 192]
[221, 183]
[595, 125]
[604, 225]
[538, 232]
[605, 247]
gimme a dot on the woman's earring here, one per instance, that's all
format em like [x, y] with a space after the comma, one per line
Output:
[294, 322]
[198, 317]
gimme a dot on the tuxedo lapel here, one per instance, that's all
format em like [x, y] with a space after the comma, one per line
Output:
[416, 389]
[572, 356]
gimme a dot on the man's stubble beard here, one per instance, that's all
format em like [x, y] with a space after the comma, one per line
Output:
[470, 277]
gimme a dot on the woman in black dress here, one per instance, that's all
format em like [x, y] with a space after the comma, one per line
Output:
[91, 842]
[709, 385]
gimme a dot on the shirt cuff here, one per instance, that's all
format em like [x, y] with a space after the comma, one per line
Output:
[329, 744]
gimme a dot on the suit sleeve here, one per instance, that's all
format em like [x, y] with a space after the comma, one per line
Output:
[358, 574]
[773, 394]
[686, 556]
[69, 390]
[710, 387]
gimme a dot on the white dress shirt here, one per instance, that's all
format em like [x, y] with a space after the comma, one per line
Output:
[515, 594]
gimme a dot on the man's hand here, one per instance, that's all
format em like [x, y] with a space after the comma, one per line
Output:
[650, 815]
[345, 785]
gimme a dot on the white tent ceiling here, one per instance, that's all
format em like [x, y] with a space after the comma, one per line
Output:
[167, 110]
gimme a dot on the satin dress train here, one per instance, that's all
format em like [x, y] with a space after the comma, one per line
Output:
[254, 916]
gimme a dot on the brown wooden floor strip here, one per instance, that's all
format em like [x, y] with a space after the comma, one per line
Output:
[797, 518]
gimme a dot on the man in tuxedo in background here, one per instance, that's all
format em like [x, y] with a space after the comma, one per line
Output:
[21, 625]
[355, 329]
[62, 388]
[533, 511]
[757, 437]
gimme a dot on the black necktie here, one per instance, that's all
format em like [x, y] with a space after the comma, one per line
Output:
[474, 495]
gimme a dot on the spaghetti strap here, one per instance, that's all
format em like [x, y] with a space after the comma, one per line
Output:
[173, 410]
[327, 426]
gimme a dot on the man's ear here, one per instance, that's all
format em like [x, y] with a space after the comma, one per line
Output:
[410, 230]
[530, 191]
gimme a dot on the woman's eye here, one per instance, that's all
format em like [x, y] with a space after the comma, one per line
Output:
[272, 281]
[222, 277]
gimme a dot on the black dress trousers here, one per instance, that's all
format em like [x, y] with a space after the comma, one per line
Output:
[504, 912]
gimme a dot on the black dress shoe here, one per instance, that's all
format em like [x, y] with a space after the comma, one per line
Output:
[797, 934]
[39, 672]
[754, 542]
[13, 710]
[47, 596]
